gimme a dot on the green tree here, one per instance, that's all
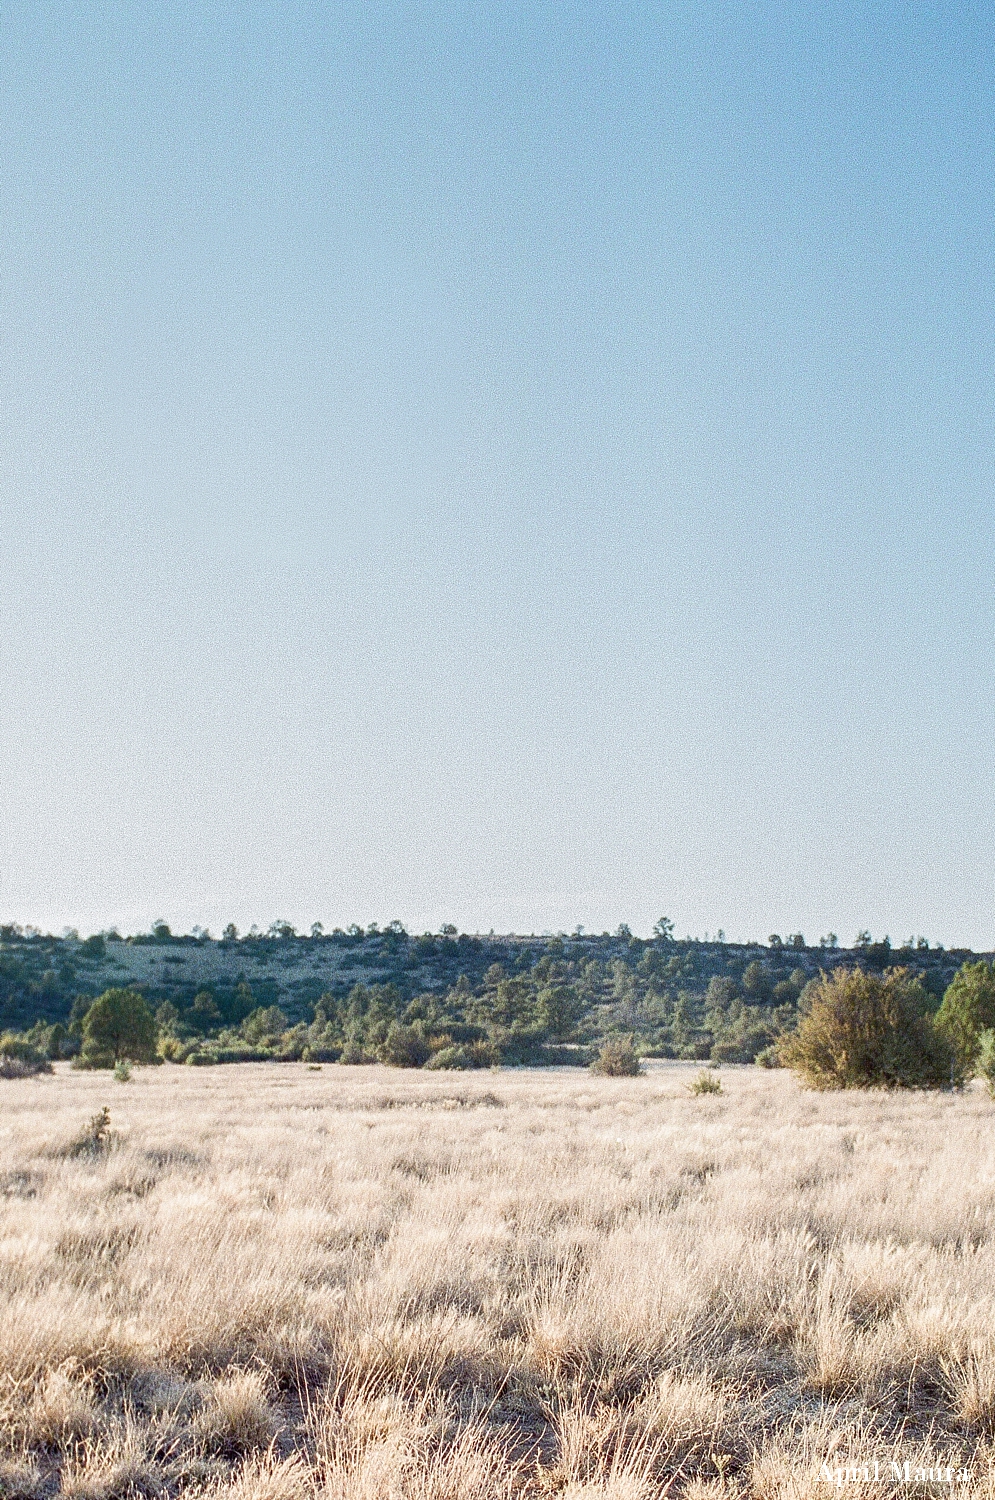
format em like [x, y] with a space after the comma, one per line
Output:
[558, 1009]
[968, 1009]
[867, 1030]
[204, 1011]
[264, 1025]
[55, 1041]
[118, 1025]
[756, 980]
[166, 1018]
[513, 1003]
[686, 1027]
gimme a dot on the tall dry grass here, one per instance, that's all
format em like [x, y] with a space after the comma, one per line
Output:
[276, 1282]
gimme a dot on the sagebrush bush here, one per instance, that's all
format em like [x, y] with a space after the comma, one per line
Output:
[465, 1055]
[618, 1058]
[868, 1031]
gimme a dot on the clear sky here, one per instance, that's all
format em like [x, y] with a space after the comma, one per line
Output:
[516, 465]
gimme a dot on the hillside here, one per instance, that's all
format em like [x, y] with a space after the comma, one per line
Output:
[510, 994]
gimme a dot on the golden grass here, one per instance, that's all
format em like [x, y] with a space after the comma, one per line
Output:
[364, 1284]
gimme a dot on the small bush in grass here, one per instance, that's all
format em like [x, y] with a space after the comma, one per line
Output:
[122, 1070]
[769, 1057]
[618, 1058]
[705, 1082]
[869, 1031]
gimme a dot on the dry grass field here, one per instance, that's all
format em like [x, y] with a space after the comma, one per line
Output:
[364, 1284]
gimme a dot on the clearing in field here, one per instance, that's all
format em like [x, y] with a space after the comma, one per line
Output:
[275, 1281]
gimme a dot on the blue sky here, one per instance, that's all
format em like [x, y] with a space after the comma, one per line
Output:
[512, 465]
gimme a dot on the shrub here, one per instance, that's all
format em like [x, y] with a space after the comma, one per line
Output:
[55, 1041]
[568, 1056]
[868, 1031]
[730, 1050]
[768, 1058]
[450, 1057]
[519, 1046]
[404, 1046]
[122, 1070]
[353, 1054]
[618, 1058]
[19, 1059]
[705, 1082]
[315, 1056]
[240, 1052]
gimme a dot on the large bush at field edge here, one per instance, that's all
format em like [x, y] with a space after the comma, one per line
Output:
[869, 1031]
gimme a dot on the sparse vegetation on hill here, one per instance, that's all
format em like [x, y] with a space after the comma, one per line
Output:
[473, 1001]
